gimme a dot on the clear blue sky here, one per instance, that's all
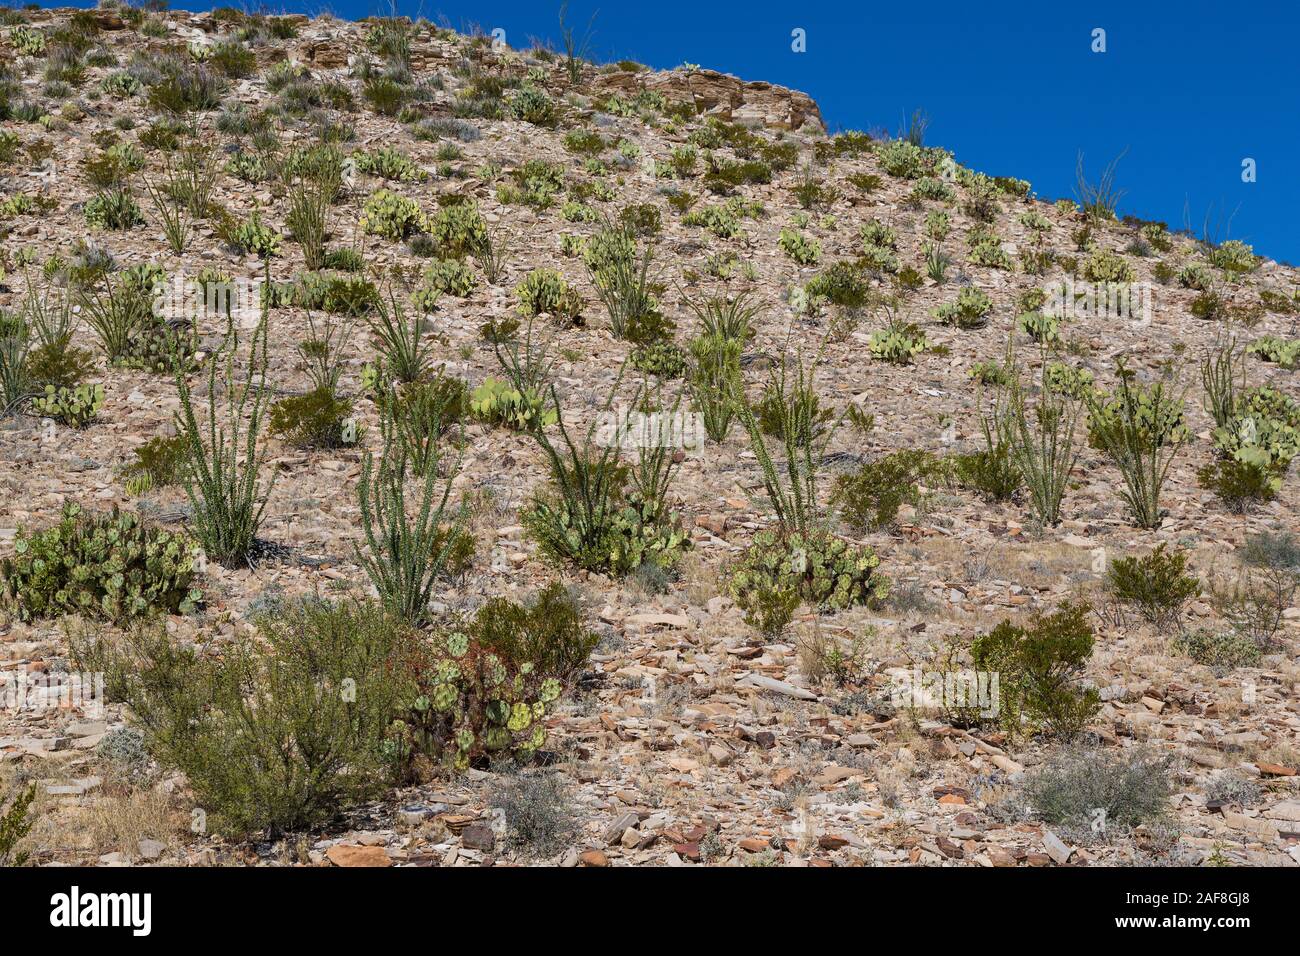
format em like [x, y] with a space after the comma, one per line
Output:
[1191, 88]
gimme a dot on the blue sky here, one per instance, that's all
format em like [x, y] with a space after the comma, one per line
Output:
[1191, 89]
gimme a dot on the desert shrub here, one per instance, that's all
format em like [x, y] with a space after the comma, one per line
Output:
[283, 730]
[532, 105]
[334, 294]
[388, 163]
[1255, 604]
[898, 342]
[623, 281]
[869, 498]
[315, 420]
[536, 183]
[459, 230]
[1038, 669]
[1239, 485]
[549, 630]
[1223, 376]
[179, 87]
[1221, 650]
[109, 566]
[156, 464]
[539, 814]
[991, 470]
[114, 209]
[444, 277]
[842, 284]
[1130, 789]
[1157, 584]
[15, 825]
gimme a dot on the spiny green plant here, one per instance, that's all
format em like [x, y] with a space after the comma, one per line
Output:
[222, 472]
[1140, 428]
[404, 552]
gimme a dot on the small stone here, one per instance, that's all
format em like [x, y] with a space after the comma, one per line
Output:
[342, 854]
[478, 837]
[1056, 847]
[593, 858]
[150, 849]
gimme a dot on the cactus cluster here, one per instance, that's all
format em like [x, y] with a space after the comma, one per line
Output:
[392, 216]
[75, 406]
[1106, 266]
[544, 290]
[473, 703]
[825, 570]
[970, 311]
[111, 566]
[498, 402]
[1264, 433]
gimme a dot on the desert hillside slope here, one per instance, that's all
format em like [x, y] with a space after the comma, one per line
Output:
[724, 676]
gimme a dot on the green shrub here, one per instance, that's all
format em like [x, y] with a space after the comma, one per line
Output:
[314, 420]
[1264, 432]
[1038, 667]
[421, 412]
[1129, 789]
[14, 827]
[284, 730]
[548, 631]
[1221, 650]
[444, 277]
[544, 290]
[459, 230]
[157, 463]
[870, 498]
[109, 566]
[1157, 585]
[114, 209]
[1238, 484]
[388, 163]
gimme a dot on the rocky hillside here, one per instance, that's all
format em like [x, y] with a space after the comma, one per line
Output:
[962, 535]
